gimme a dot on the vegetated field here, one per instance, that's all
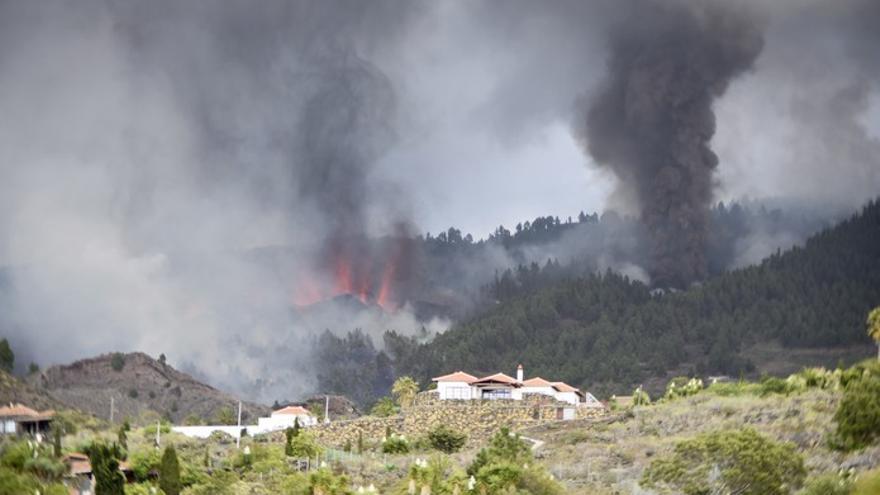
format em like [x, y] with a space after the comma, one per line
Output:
[609, 457]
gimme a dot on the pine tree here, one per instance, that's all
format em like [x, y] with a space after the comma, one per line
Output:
[105, 467]
[169, 472]
[56, 441]
[122, 435]
[7, 357]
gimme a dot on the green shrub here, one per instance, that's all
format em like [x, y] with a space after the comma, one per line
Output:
[15, 455]
[14, 483]
[150, 430]
[117, 362]
[395, 444]
[682, 386]
[743, 462]
[773, 385]
[734, 389]
[446, 440]
[858, 414]
[383, 408]
[304, 445]
[504, 447]
[498, 477]
[105, 468]
[323, 481]
[144, 462]
[169, 472]
[828, 484]
[640, 397]
[45, 468]
[133, 393]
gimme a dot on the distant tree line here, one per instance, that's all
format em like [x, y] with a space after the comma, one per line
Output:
[608, 332]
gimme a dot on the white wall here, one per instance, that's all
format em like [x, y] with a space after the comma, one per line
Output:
[455, 390]
[538, 390]
[570, 397]
[282, 421]
[205, 431]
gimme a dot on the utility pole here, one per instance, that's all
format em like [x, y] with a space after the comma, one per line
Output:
[326, 409]
[158, 433]
[111, 409]
[238, 437]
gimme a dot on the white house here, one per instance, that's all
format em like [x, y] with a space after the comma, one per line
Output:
[464, 386]
[278, 420]
[455, 386]
[285, 418]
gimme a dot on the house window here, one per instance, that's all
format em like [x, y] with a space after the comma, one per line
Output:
[494, 394]
[458, 393]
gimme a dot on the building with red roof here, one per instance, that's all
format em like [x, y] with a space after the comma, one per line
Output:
[464, 386]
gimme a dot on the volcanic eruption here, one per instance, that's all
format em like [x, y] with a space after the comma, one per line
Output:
[345, 127]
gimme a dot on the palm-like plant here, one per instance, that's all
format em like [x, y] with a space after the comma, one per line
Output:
[874, 327]
[405, 390]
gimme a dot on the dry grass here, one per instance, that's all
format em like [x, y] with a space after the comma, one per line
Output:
[610, 457]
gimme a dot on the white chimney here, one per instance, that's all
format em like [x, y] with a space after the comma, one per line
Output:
[519, 373]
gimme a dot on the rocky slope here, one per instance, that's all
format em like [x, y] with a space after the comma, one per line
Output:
[140, 388]
[13, 390]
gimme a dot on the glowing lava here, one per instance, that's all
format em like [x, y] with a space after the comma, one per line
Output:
[348, 279]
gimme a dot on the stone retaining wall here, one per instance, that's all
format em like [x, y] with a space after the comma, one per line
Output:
[479, 419]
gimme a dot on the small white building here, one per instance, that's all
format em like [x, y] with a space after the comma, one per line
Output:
[464, 386]
[279, 420]
[285, 418]
[455, 386]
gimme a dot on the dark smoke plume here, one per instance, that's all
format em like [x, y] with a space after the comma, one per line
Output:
[652, 121]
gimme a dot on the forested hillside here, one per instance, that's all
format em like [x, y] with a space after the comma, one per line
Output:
[608, 332]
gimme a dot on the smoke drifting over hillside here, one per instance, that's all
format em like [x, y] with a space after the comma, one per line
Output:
[652, 122]
[194, 178]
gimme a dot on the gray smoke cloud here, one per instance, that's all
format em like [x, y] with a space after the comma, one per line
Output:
[174, 174]
[652, 121]
[157, 151]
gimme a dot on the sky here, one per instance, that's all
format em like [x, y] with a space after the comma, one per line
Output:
[146, 145]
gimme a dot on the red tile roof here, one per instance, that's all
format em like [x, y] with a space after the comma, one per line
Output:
[536, 382]
[292, 411]
[78, 463]
[497, 378]
[564, 387]
[458, 376]
[18, 410]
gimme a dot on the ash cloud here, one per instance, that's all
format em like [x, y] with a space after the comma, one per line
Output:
[173, 173]
[154, 149]
[652, 122]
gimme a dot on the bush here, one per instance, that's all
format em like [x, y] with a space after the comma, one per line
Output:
[169, 472]
[133, 393]
[117, 362]
[383, 408]
[304, 445]
[858, 414]
[828, 484]
[682, 386]
[504, 447]
[395, 444]
[773, 385]
[734, 389]
[640, 397]
[323, 481]
[743, 462]
[150, 430]
[446, 440]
